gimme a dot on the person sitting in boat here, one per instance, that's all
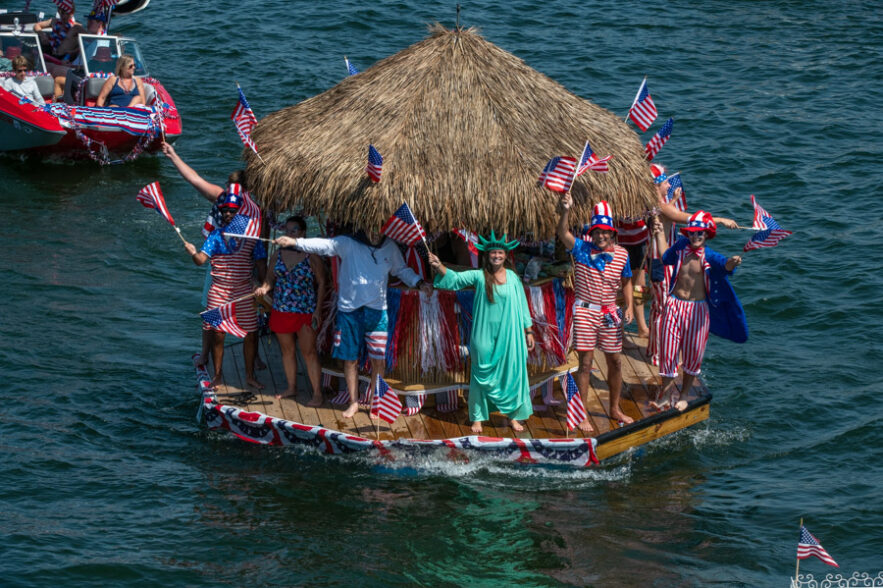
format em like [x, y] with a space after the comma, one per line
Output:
[67, 80]
[21, 86]
[366, 260]
[600, 269]
[298, 283]
[122, 89]
[60, 37]
[233, 262]
[502, 334]
[699, 278]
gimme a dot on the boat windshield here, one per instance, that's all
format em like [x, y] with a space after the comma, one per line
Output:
[14, 45]
[102, 51]
[130, 47]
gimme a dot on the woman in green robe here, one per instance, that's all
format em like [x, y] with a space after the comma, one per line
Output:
[501, 334]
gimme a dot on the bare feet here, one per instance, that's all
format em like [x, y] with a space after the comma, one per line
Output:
[476, 427]
[218, 379]
[586, 426]
[676, 401]
[289, 393]
[516, 426]
[351, 410]
[661, 403]
[254, 383]
[316, 400]
[620, 416]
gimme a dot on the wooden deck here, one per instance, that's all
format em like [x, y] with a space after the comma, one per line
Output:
[640, 380]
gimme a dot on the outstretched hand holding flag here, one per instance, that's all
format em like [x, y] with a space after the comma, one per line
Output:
[769, 233]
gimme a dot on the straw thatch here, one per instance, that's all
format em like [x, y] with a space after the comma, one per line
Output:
[464, 128]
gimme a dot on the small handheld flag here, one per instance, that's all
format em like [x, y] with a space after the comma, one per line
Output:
[558, 174]
[403, 227]
[223, 318]
[386, 403]
[245, 120]
[659, 139]
[576, 410]
[643, 110]
[590, 161]
[375, 164]
[150, 196]
[350, 68]
[769, 232]
[809, 546]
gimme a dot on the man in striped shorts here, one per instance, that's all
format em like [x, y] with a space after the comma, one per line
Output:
[601, 268]
[686, 319]
[232, 267]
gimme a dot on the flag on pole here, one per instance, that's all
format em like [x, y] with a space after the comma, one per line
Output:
[659, 139]
[558, 174]
[385, 403]
[350, 68]
[245, 120]
[643, 110]
[471, 242]
[243, 225]
[150, 196]
[375, 164]
[576, 410]
[808, 546]
[769, 232]
[403, 227]
[590, 161]
[223, 318]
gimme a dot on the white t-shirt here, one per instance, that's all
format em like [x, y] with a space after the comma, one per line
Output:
[362, 277]
[26, 89]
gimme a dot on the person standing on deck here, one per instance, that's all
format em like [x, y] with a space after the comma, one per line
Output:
[601, 268]
[233, 262]
[502, 334]
[696, 280]
[365, 264]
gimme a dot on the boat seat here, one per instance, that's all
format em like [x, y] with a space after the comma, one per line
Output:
[92, 89]
[46, 85]
[149, 94]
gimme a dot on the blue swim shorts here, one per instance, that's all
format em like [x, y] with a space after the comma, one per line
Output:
[365, 324]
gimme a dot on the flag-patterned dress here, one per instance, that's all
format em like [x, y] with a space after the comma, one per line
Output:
[497, 349]
[232, 266]
[597, 278]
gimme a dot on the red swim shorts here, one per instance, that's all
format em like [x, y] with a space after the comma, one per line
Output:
[289, 322]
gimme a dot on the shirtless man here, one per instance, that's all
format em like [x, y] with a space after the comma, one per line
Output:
[685, 322]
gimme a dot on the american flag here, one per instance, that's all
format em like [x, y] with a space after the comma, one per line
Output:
[385, 403]
[150, 196]
[245, 120]
[576, 410]
[64, 5]
[471, 242]
[769, 233]
[675, 182]
[223, 318]
[643, 110]
[590, 161]
[375, 164]
[659, 139]
[403, 227]
[808, 546]
[350, 68]
[413, 403]
[242, 225]
[558, 174]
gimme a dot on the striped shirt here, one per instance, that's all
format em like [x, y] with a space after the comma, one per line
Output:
[595, 281]
[232, 264]
[632, 233]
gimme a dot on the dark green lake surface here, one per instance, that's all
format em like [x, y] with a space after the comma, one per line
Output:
[107, 479]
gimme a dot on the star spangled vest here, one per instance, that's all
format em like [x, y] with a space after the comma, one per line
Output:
[59, 33]
[592, 285]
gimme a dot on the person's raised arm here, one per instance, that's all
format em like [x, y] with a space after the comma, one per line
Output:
[320, 246]
[208, 190]
[436, 264]
[42, 25]
[564, 234]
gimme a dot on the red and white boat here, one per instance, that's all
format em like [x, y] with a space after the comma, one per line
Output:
[82, 129]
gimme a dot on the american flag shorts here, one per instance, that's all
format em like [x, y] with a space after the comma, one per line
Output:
[684, 329]
[590, 331]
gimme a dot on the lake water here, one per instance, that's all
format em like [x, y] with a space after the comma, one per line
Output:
[108, 480]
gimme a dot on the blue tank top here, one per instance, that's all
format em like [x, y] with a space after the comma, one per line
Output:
[119, 97]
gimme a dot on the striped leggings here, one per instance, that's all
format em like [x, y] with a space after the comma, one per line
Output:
[685, 330]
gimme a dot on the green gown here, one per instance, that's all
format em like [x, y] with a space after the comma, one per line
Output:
[498, 349]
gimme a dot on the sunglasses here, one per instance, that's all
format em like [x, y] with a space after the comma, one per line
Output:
[21, 70]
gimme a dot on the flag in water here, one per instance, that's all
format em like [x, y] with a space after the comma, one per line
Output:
[375, 164]
[385, 403]
[558, 174]
[769, 233]
[350, 68]
[150, 196]
[471, 242]
[576, 410]
[659, 139]
[643, 110]
[223, 318]
[808, 546]
[590, 161]
[403, 227]
[245, 120]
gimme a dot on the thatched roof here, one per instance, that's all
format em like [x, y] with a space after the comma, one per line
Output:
[464, 128]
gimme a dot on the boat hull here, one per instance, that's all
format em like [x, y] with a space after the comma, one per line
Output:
[24, 127]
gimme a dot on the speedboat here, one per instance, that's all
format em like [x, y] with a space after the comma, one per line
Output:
[75, 127]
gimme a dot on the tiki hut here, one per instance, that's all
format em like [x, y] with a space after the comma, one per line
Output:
[464, 128]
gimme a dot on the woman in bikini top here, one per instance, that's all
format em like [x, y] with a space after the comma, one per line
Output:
[114, 92]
